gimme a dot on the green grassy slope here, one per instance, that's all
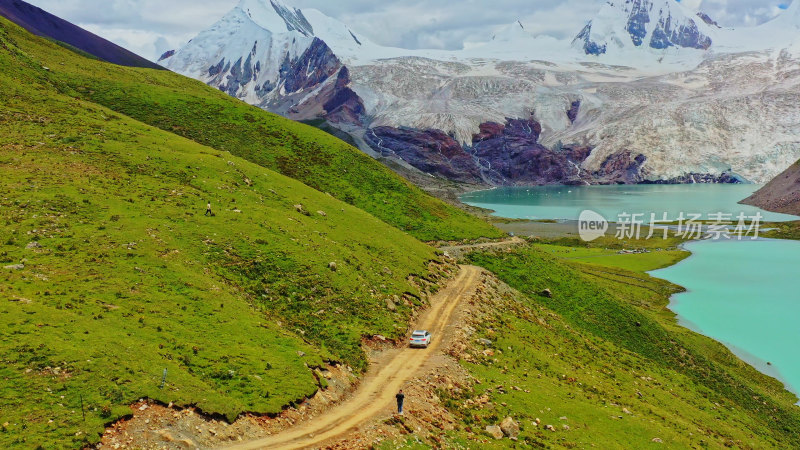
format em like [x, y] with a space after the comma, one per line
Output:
[636, 262]
[128, 277]
[604, 342]
[191, 109]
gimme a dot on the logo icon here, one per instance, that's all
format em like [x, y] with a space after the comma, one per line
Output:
[591, 225]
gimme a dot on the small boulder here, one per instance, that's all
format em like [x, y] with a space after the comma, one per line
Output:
[301, 210]
[510, 427]
[301, 353]
[550, 427]
[33, 245]
[15, 267]
[547, 293]
[332, 266]
[485, 342]
[658, 440]
[390, 305]
[495, 431]
[322, 213]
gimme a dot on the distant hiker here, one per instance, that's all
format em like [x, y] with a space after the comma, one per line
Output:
[208, 210]
[400, 398]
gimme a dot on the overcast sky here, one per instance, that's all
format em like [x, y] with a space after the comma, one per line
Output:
[150, 27]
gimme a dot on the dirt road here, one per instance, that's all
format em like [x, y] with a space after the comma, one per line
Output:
[375, 395]
[457, 251]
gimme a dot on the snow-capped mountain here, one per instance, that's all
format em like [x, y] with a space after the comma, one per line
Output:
[649, 90]
[657, 24]
[271, 55]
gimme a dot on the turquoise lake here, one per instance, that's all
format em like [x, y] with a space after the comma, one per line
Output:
[744, 294]
[567, 202]
[741, 293]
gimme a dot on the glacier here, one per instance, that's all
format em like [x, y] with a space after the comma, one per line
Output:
[647, 91]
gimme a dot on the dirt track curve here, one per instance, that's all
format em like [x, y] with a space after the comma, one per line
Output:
[375, 395]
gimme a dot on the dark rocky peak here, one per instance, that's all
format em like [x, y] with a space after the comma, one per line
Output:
[686, 35]
[589, 46]
[313, 67]
[657, 23]
[166, 55]
[294, 18]
[638, 19]
[705, 18]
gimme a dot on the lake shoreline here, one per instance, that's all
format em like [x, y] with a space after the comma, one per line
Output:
[760, 364]
[521, 224]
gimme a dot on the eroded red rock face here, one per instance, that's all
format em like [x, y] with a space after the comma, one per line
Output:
[431, 151]
[503, 154]
[621, 168]
[344, 105]
[489, 130]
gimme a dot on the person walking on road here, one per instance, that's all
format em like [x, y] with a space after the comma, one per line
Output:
[208, 210]
[400, 398]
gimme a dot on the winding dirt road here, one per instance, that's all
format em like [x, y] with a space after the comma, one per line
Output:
[375, 395]
[457, 251]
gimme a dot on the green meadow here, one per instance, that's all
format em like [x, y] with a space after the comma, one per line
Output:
[605, 358]
[111, 273]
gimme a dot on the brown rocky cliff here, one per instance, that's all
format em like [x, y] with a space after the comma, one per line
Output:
[782, 194]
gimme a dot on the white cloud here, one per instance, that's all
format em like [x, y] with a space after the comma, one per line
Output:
[148, 27]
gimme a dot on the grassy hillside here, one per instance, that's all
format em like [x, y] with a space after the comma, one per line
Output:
[191, 109]
[110, 272]
[606, 358]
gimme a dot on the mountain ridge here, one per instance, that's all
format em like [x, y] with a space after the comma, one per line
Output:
[657, 24]
[580, 101]
[42, 23]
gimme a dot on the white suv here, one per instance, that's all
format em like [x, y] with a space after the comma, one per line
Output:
[420, 338]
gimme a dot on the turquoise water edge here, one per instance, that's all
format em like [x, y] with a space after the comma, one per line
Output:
[743, 294]
[740, 293]
[567, 202]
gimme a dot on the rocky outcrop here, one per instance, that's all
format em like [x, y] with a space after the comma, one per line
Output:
[315, 65]
[504, 155]
[344, 105]
[430, 151]
[700, 178]
[494, 431]
[621, 168]
[685, 35]
[659, 24]
[590, 47]
[166, 55]
[637, 21]
[572, 112]
[707, 19]
[510, 427]
[510, 154]
[782, 194]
